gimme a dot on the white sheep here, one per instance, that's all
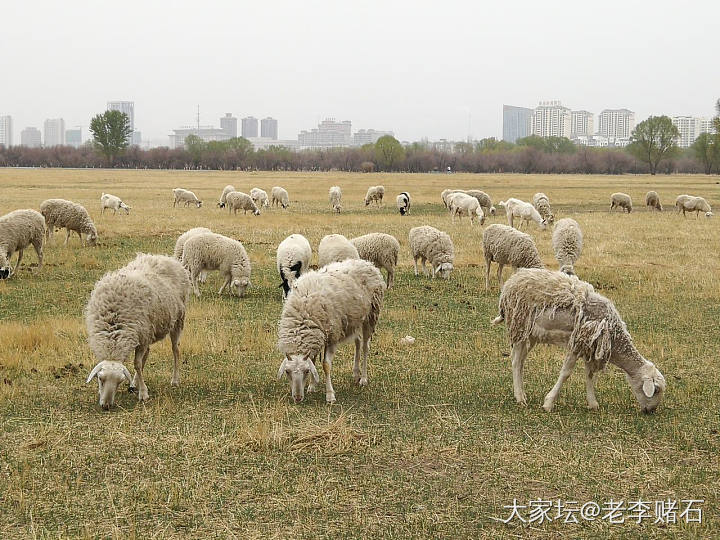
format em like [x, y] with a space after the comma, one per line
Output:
[227, 189]
[689, 203]
[280, 197]
[237, 200]
[293, 260]
[259, 197]
[180, 244]
[376, 194]
[403, 203]
[338, 303]
[621, 201]
[526, 212]
[461, 204]
[186, 197]
[653, 201]
[209, 251]
[505, 245]
[18, 230]
[380, 249]
[335, 248]
[567, 242]
[446, 193]
[484, 200]
[129, 310]
[335, 197]
[114, 203]
[541, 306]
[59, 213]
[430, 244]
[541, 202]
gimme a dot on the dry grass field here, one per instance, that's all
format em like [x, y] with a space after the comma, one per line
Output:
[435, 446]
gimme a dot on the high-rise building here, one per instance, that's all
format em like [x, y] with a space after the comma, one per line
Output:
[30, 137]
[328, 134]
[127, 107]
[616, 123]
[690, 128]
[136, 138]
[582, 124]
[249, 127]
[551, 119]
[707, 125]
[54, 132]
[6, 130]
[73, 137]
[368, 136]
[228, 123]
[269, 128]
[516, 122]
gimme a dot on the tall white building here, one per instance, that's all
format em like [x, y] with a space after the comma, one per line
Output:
[690, 128]
[269, 128]
[127, 107]
[228, 123]
[328, 134]
[31, 137]
[6, 130]
[54, 132]
[551, 119]
[616, 123]
[249, 127]
[582, 124]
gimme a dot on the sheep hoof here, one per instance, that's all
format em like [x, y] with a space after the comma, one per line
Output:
[548, 405]
[593, 406]
[330, 398]
[175, 382]
[132, 390]
[522, 400]
[143, 395]
[363, 381]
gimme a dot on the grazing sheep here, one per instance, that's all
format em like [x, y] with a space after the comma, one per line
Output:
[180, 244]
[293, 260]
[484, 200]
[504, 245]
[380, 249]
[622, 201]
[653, 201]
[280, 197]
[112, 202]
[209, 251]
[403, 203]
[59, 213]
[181, 195]
[689, 203]
[259, 197]
[227, 189]
[431, 244]
[461, 204]
[18, 230]
[338, 303]
[541, 306]
[542, 205]
[237, 200]
[375, 193]
[567, 242]
[446, 193]
[515, 208]
[335, 196]
[335, 248]
[129, 310]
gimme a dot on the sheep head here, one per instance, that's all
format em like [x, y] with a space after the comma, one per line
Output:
[198, 204]
[256, 212]
[109, 375]
[297, 368]
[240, 286]
[4, 265]
[92, 238]
[648, 385]
[443, 270]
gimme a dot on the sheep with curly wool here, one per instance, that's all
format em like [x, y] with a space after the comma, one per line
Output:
[335, 197]
[227, 189]
[130, 309]
[113, 203]
[689, 203]
[205, 252]
[652, 200]
[380, 249]
[484, 200]
[186, 197]
[279, 196]
[541, 202]
[524, 211]
[403, 203]
[335, 248]
[567, 242]
[461, 204]
[59, 213]
[259, 197]
[237, 200]
[375, 194]
[293, 260]
[542, 306]
[18, 230]
[505, 245]
[621, 201]
[180, 244]
[338, 303]
[430, 244]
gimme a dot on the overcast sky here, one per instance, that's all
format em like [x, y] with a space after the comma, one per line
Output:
[422, 69]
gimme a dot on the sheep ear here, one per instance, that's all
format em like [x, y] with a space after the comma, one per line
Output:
[281, 369]
[313, 370]
[98, 367]
[648, 388]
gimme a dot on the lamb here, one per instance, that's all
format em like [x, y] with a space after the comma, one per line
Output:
[484, 200]
[259, 197]
[622, 201]
[227, 189]
[112, 202]
[129, 310]
[61, 213]
[504, 245]
[653, 201]
[293, 260]
[431, 244]
[515, 208]
[181, 195]
[689, 203]
[380, 249]
[375, 193]
[567, 242]
[338, 303]
[180, 244]
[335, 196]
[280, 197]
[542, 205]
[210, 251]
[403, 203]
[542, 306]
[18, 230]
[461, 204]
[335, 248]
[237, 200]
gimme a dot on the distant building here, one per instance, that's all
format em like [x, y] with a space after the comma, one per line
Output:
[31, 137]
[582, 123]
[707, 125]
[551, 119]
[206, 133]
[228, 124]
[54, 132]
[73, 137]
[249, 127]
[269, 128]
[6, 133]
[616, 123]
[127, 107]
[328, 134]
[263, 143]
[368, 136]
[599, 141]
[516, 122]
[136, 138]
[690, 128]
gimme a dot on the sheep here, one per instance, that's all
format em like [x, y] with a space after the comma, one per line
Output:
[505, 245]
[211, 251]
[130, 309]
[338, 303]
[431, 244]
[293, 260]
[515, 208]
[542, 306]
[181, 195]
[542, 205]
[114, 203]
[689, 203]
[61, 213]
[484, 200]
[461, 204]
[653, 201]
[18, 230]
[227, 189]
[259, 197]
[446, 193]
[567, 242]
[380, 249]
[180, 244]
[335, 197]
[335, 248]
[280, 197]
[622, 201]
[375, 193]
[403, 203]
[237, 200]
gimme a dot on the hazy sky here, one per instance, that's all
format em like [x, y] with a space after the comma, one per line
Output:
[418, 68]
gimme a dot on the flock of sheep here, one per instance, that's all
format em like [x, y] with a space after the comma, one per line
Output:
[142, 303]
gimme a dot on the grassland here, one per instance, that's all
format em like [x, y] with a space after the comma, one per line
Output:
[434, 447]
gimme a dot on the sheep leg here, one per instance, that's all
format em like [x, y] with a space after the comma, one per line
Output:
[139, 352]
[590, 388]
[488, 262]
[519, 353]
[194, 278]
[356, 364]
[499, 274]
[565, 372]
[390, 278]
[327, 368]
[415, 260]
[39, 251]
[174, 341]
[367, 334]
[102, 211]
[67, 237]
[227, 282]
[82, 241]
